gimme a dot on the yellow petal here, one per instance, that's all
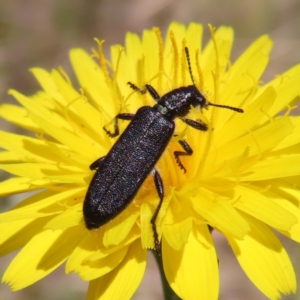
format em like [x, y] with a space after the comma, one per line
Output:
[122, 282]
[283, 194]
[177, 234]
[98, 268]
[193, 272]
[69, 218]
[102, 261]
[47, 206]
[19, 116]
[45, 252]
[91, 243]
[151, 54]
[287, 89]
[133, 47]
[89, 259]
[57, 127]
[238, 126]
[245, 73]
[40, 110]
[179, 32]
[9, 157]
[78, 110]
[32, 149]
[264, 260]
[220, 214]
[93, 82]
[146, 227]
[41, 171]
[260, 140]
[15, 234]
[254, 203]
[193, 38]
[293, 138]
[18, 185]
[271, 168]
[118, 228]
[215, 57]
[49, 86]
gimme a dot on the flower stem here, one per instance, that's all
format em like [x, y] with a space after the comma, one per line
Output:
[168, 292]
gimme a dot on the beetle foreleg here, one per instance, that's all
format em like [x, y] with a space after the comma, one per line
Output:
[127, 117]
[160, 190]
[137, 89]
[188, 151]
[143, 91]
[152, 92]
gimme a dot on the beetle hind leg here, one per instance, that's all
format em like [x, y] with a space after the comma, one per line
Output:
[160, 190]
[97, 164]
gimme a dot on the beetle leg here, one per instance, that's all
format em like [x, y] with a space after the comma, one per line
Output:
[187, 151]
[97, 163]
[152, 92]
[127, 117]
[137, 89]
[195, 124]
[148, 88]
[160, 190]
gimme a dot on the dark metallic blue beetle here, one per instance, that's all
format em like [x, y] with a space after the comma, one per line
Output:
[123, 170]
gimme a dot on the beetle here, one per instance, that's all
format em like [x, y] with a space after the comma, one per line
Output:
[120, 174]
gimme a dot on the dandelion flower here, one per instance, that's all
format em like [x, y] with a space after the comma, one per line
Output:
[242, 179]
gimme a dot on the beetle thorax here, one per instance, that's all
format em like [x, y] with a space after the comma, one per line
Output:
[178, 102]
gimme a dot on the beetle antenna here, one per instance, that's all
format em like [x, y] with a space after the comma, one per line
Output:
[239, 110]
[187, 54]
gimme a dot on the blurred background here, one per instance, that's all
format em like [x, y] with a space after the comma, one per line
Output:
[41, 32]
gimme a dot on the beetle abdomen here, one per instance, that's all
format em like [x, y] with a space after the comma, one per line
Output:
[126, 166]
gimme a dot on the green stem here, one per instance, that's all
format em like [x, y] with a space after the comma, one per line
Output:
[168, 292]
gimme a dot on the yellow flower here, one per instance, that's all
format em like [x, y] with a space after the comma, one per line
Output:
[242, 179]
